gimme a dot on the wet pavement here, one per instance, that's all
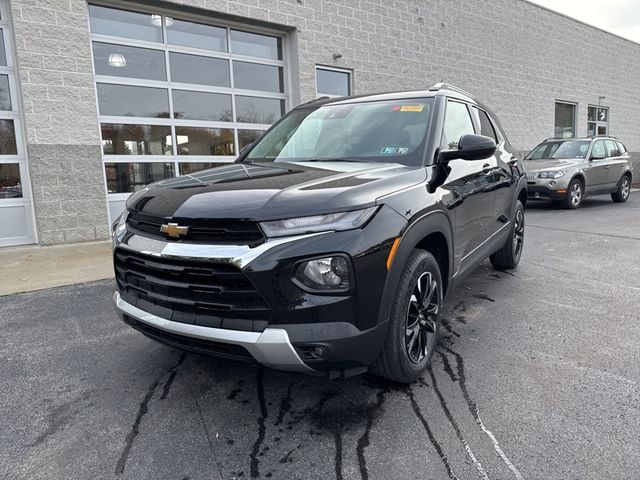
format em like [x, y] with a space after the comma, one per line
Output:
[537, 377]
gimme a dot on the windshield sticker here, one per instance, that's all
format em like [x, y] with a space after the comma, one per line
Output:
[408, 108]
[394, 151]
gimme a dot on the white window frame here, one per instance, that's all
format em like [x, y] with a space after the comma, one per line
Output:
[599, 123]
[575, 117]
[165, 47]
[333, 69]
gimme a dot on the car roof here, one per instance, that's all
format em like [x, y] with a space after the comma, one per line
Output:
[439, 89]
[582, 139]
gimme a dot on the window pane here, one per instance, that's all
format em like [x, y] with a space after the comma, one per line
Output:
[3, 53]
[247, 137]
[196, 35]
[5, 93]
[118, 139]
[252, 76]
[565, 120]
[591, 129]
[244, 43]
[204, 141]
[612, 148]
[128, 101]
[121, 61]
[120, 23]
[202, 106]
[130, 177]
[603, 114]
[330, 82]
[187, 168]
[7, 138]
[621, 148]
[486, 128]
[456, 124]
[200, 70]
[10, 185]
[258, 110]
[592, 116]
[602, 130]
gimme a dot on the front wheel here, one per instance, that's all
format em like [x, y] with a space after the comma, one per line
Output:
[414, 323]
[575, 194]
[509, 255]
[624, 188]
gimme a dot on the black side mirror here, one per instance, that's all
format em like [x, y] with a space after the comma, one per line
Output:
[471, 147]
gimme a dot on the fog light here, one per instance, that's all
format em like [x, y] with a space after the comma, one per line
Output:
[328, 274]
[312, 352]
[552, 183]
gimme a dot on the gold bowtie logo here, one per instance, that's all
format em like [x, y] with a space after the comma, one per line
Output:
[174, 230]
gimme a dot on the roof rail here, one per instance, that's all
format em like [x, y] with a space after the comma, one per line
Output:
[446, 86]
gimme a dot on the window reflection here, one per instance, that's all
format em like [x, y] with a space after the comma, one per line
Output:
[199, 70]
[129, 101]
[258, 110]
[197, 35]
[204, 141]
[133, 62]
[121, 23]
[3, 53]
[255, 45]
[253, 76]
[331, 82]
[10, 186]
[202, 106]
[130, 177]
[7, 138]
[5, 93]
[187, 168]
[118, 139]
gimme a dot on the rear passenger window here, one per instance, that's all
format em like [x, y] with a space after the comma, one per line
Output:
[486, 128]
[612, 147]
[622, 148]
[457, 123]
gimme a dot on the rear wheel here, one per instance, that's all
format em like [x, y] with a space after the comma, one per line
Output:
[624, 189]
[509, 255]
[414, 322]
[575, 194]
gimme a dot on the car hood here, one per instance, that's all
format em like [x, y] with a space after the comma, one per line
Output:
[269, 191]
[535, 165]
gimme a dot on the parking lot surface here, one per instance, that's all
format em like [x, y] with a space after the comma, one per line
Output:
[537, 377]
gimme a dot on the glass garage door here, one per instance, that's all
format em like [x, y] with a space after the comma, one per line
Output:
[16, 214]
[178, 96]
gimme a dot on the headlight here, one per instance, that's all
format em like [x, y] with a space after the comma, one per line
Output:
[119, 224]
[318, 223]
[551, 174]
[329, 274]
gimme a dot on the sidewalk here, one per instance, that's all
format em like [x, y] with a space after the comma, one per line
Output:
[33, 268]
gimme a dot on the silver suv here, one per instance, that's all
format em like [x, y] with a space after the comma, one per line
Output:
[568, 170]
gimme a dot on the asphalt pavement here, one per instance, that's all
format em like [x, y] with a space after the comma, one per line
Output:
[537, 377]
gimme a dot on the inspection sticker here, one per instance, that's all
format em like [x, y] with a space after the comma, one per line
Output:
[412, 108]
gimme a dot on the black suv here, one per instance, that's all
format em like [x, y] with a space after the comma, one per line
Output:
[331, 242]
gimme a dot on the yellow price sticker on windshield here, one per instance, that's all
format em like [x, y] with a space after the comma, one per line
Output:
[411, 108]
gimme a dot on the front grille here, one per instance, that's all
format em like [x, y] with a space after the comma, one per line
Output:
[188, 291]
[237, 232]
[531, 176]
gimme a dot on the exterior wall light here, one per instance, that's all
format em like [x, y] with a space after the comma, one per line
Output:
[117, 60]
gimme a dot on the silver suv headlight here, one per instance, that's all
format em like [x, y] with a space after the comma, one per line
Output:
[119, 224]
[318, 223]
[555, 174]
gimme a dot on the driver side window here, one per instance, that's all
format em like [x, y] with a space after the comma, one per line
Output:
[457, 122]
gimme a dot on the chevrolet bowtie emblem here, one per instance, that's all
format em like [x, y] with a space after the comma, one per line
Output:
[174, 230]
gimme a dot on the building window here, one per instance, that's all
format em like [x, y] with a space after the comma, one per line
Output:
[333, 82]
[598, 121]
[565, 124]
[170, 90]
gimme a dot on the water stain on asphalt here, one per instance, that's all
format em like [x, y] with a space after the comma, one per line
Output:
[59, 417]
[482, 296]
[172, 377]
[285, 405]
[255, 463]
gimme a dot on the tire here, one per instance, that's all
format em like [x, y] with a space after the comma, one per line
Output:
[413, 328]
[509, 255]
[624, 189]
[575, 194]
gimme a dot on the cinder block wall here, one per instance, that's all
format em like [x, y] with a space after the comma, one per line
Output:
[515, 56]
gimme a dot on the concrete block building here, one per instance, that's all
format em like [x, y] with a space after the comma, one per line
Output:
[98, 99]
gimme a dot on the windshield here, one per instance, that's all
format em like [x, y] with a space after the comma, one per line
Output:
[386, 131]
[556, 150]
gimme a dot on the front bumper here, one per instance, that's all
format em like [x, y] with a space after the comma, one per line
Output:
[541, 191]
[270, 347]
